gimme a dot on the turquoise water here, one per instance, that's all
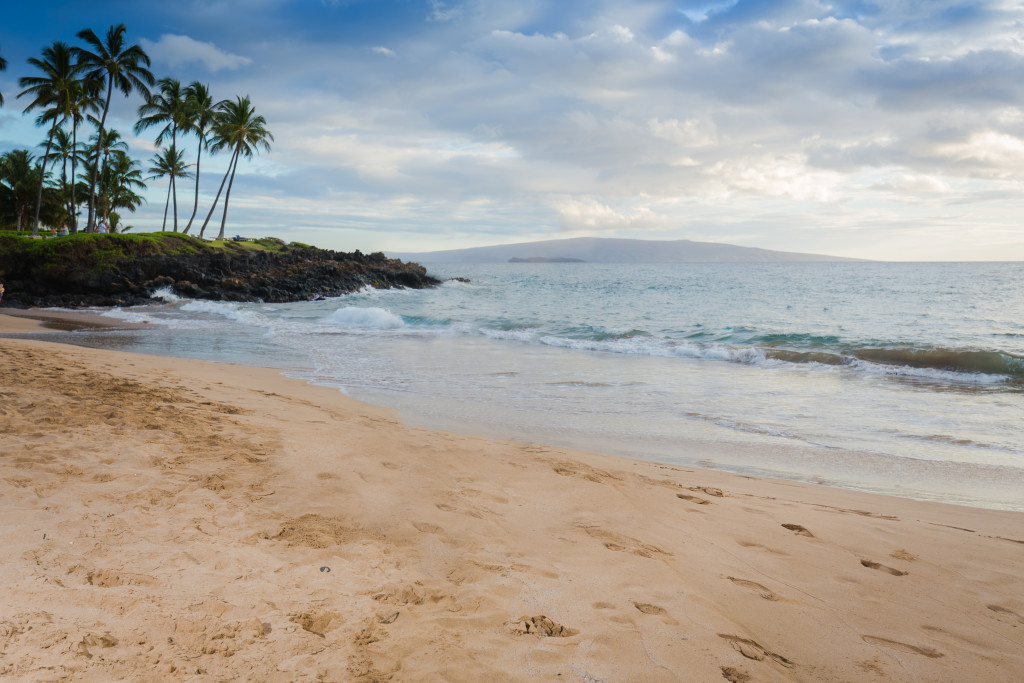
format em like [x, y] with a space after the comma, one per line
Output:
[899, 378]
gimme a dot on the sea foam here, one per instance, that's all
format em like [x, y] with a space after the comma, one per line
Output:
[376, 318]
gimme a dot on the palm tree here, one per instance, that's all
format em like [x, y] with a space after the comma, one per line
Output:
[53, 93]
[122, 182]
[19, 174]
[170, 162]
[202, 113]
[239, 129]
[170, 108]
[110, 146]
[65, 149]
[85, 103]
[122, 67]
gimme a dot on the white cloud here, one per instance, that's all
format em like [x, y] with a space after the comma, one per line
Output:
[607, 116]
[584, 214]
[689, 133]
[990, 148]
[786, 176]
[176, 50]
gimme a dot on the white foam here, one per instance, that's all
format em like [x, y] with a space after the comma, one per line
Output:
[166, 294]
[131, 316]
[225, 309]
[929, 374]
[370, 317]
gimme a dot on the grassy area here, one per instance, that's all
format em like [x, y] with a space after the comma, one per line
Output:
[97, 252]
[160, 241]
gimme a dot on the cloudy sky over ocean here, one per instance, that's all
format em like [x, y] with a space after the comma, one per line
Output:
[890, 130]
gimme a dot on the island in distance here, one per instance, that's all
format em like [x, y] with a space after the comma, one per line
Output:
[612, 250]
[545, 259]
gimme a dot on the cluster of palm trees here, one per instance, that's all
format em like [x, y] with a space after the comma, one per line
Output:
[75, 85]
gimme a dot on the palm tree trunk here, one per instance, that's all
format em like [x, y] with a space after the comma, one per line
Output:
[174, 185]
[42, 176]
[227, 197]
[174, 190]
[74, 173]
[217, 198]
[195, 205]
[164, 228]
[103, 201]
[64, 178]
[99, 141]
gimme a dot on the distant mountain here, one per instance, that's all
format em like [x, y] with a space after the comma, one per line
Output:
[607, 250]
[545, 259]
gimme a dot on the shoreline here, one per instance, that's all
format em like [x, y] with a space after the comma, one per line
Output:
[174, 518]
[989, 486]
[35, 320]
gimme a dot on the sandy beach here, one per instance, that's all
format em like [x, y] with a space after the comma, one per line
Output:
[178, 520]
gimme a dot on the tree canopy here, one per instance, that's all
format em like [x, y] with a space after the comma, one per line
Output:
[71, 86]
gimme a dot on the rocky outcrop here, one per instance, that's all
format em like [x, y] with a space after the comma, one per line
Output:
[126, 270]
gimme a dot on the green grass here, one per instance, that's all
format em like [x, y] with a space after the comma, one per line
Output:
[98, 252]
[159, 241]
[265, 244]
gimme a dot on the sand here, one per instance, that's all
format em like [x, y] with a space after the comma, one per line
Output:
[178, 520]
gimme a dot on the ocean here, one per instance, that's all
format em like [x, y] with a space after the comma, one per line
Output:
[903, 379]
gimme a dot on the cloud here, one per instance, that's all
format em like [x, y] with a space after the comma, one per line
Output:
[613, 119]
[443, 12]
[588, 214]
[177, 50]
[773, 123]
[914, 185]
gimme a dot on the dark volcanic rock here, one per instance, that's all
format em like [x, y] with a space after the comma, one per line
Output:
[125, 270]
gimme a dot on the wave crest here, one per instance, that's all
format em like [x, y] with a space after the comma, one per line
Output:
[371, 317]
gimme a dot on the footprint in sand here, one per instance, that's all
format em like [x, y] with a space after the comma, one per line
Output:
[734, 675]
[623, 543]
[709, 490]
[904, 555]
[754, 650]
[427, 528]
[93, 640]
[693, 499]
[1005, 614]
[882, 568]
[755, 544]
[756, 587]
[451, 508]
[542, 626]
[317, 623]
[575, 469]
[404, 594]
[648, 608]
[903, 647]
[797, 529]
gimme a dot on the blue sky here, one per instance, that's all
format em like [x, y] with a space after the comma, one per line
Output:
[890, 131]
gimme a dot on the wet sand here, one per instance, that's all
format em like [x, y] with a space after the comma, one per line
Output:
[170, 520]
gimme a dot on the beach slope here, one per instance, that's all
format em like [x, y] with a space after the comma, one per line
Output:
[170, 520]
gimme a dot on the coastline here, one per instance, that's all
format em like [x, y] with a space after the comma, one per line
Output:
[172, 519]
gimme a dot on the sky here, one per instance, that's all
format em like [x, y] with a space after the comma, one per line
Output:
[890, 130]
